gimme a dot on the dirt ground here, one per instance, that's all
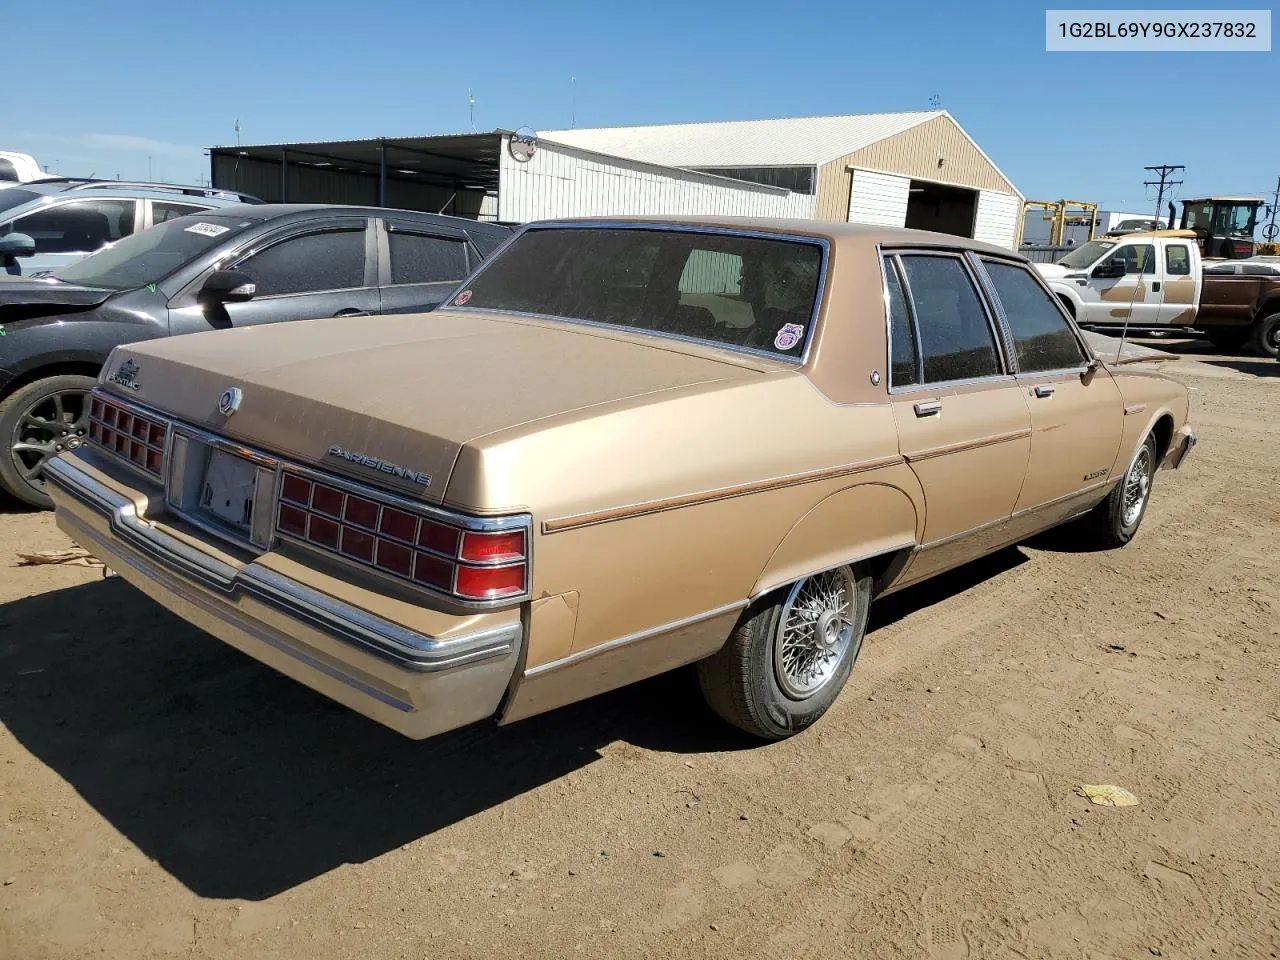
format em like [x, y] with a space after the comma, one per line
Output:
[162, 795]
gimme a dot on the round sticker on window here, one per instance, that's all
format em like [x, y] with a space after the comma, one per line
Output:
[788, 336]
[462, 298]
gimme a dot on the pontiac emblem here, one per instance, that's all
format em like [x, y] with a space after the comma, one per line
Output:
[126, 376]
[377, 463]
[229, 402]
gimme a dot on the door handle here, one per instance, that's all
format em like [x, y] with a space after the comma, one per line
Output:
[1044, 390]
[352, 312]
[1155, 286]
[928, 408]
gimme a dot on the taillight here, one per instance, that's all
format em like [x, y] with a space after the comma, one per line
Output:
[129, 435]
[468, 564]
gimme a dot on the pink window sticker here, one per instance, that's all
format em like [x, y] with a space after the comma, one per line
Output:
[462, 298]
[788, 336]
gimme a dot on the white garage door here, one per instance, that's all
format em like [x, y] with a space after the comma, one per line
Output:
[879, 198]
[997, 218]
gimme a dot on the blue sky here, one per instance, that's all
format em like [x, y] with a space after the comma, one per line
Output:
[101, 87]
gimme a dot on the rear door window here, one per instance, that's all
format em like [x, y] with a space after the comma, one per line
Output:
[956, 339]
[327, 260]
[1177, 260]
[81, 226]
[162, 210]
[1042, 338]
[420, 258]
[903, 366]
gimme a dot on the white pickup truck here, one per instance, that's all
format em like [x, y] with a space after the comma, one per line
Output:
[1154, 280]
[1145, 280]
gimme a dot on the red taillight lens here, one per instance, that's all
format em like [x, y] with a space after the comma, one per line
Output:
[471, 565]
[490, 583]
[492, 547]
[133, 436]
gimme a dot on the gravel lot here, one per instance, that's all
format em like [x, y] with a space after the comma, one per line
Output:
[163, 795]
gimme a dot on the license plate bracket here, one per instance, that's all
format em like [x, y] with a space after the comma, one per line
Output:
[229, 490]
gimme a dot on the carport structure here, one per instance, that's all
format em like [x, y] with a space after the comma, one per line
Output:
[450, 174]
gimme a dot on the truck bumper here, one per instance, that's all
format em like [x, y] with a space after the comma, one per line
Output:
[415, 684]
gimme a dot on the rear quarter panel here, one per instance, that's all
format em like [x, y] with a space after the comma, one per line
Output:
[1152, 401]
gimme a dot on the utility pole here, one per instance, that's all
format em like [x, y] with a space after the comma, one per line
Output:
[237, 131]
[1270, 230]
[1164, 172]
[573, 103]
[471, 106]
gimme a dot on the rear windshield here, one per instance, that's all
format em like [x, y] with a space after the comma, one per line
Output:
[721, 288]
[153, 254]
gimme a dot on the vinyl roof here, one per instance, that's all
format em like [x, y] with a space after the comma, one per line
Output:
[792, 141]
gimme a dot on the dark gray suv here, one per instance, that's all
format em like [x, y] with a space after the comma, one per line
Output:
[231, 267]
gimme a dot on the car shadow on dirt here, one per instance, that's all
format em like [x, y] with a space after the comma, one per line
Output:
[242, 783]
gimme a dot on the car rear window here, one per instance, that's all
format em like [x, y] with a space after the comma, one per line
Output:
[722, 288]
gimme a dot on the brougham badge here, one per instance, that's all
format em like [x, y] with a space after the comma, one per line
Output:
[376, 463]
[229, 402]
[126, 376]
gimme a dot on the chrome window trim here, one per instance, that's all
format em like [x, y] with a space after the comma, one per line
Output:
[1039, 281]
[279, 465]
[997, 336]
[889, 261]
[815, 314]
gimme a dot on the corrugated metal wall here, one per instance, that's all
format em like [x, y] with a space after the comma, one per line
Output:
[311, 185]
[878, 198]
[913, 153]
[997, 218]
[562, 181]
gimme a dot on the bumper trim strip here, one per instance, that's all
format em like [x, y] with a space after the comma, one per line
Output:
[331, 617]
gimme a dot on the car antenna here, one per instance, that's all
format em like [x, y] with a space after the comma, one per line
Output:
[1124, 331]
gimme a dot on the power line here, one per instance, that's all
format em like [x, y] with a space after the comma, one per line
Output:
[1164, 171]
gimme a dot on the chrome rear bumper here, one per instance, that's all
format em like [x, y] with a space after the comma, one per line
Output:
[415, 684]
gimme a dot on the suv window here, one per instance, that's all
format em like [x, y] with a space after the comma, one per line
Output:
[1136, 257]
[81, 226]
[1042, 338]
[1177, 260]
[332, 260]
[956, 341]
[416, 258]
[162, 210]
[8, 172]
[903, 369]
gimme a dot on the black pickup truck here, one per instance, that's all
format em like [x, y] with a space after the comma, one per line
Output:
[230, 267]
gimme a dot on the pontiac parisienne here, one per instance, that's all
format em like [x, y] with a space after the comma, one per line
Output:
[619, 447]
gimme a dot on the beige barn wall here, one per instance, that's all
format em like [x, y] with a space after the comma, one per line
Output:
[912, 153]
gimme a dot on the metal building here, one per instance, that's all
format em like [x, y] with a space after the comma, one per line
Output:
[916, 169]
[898, 169]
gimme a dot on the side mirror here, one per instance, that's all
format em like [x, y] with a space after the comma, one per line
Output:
[1109, 270]
[17, 245]
[227, 286]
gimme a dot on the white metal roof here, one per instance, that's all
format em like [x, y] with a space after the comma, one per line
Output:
[791, 141]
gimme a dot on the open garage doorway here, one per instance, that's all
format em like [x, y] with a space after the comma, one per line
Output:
[933, 206]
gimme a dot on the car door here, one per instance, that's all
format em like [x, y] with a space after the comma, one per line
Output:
[70, 230]
[1077, 411]
[1133, 296]
[1181, 287]
[963, 424]
[420, 264]
[323, 270]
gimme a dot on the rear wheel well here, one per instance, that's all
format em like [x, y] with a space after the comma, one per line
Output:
[82, 368]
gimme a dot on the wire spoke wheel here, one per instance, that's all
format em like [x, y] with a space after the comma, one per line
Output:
[1137, 487]
[815, 632]
[53, 423]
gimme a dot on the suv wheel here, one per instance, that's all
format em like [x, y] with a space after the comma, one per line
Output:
[1266, 336]
[37, 422]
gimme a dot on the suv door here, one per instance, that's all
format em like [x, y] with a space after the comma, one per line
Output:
[1134, 296]
[1077, 413]
[963, 425]
[325, 269]
[70, 230]
[420, 264]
